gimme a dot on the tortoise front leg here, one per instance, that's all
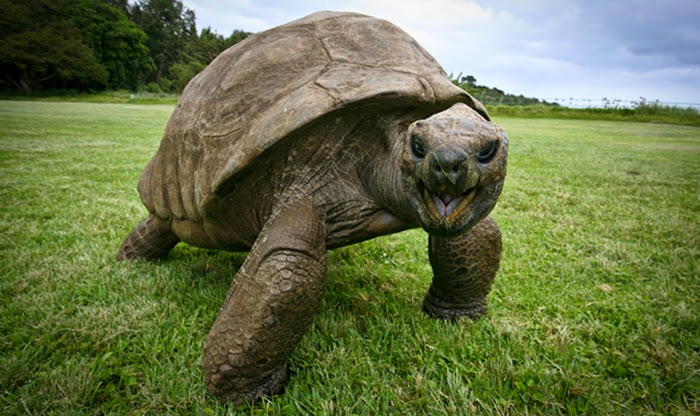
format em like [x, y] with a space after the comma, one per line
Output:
[268, 309]
[463, 271]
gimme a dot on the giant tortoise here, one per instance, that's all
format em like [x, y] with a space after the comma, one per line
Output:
[327, 131]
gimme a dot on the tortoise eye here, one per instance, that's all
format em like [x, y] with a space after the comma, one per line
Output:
[417, 147]
[487, 152]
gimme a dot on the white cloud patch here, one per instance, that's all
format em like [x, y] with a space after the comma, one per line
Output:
[571, 48]
[419, 13]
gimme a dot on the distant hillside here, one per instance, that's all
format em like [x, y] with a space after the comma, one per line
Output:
[493, 96]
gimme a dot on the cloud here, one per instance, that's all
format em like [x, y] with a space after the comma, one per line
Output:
[225, 16]
[586, 48]
[418, 13]
[667, 29]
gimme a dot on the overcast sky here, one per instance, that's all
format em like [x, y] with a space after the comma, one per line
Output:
[617, 49]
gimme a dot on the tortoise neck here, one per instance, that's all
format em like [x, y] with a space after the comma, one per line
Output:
[381, 173]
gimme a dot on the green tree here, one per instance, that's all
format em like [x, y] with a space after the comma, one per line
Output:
[170, 27]
[236, 36]
[122, 5]
[116, 41]
[469, 79]
[39, 49]
[199, 53]
[95, 44]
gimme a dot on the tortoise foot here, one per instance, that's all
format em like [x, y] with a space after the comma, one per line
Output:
[449, 311]
[151, 239]
[228, 388]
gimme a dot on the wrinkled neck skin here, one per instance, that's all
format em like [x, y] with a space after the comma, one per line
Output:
[382, 177]
[377, 203]
[364, 196]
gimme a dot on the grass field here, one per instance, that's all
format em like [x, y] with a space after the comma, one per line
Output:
[596, 308]
[646, 113]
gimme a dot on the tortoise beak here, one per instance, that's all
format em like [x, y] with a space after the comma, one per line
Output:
[445, 206]
[446, 215]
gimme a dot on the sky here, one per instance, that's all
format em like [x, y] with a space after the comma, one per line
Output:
[548, 49]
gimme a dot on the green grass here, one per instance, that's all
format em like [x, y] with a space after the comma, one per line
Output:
[114, 97]
[595, 309]
[644, 113]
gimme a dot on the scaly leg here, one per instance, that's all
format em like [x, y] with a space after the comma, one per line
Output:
[151, 239]
[269, 307]
[464, 268]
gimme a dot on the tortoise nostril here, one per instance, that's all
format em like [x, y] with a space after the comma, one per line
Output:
[449, 162]
[447, 171]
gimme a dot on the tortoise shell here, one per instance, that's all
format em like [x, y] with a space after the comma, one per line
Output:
[270, 85]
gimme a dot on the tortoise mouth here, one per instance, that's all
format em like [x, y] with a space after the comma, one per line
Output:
[444, 207]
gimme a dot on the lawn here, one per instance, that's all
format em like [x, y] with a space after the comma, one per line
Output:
[596, 308]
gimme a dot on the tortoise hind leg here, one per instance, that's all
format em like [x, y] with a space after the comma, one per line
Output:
[151, 239]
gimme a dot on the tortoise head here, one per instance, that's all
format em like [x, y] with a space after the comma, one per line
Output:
[453, 168]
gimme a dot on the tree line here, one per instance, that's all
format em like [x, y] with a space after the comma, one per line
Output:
[93, 45]
[494, 96]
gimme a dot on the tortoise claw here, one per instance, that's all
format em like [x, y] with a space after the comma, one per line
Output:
[437, 308]
[227, 390]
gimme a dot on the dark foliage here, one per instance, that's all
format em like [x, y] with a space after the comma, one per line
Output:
[117, 42]
[89, 45]
[39, 48]
[493, 96]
